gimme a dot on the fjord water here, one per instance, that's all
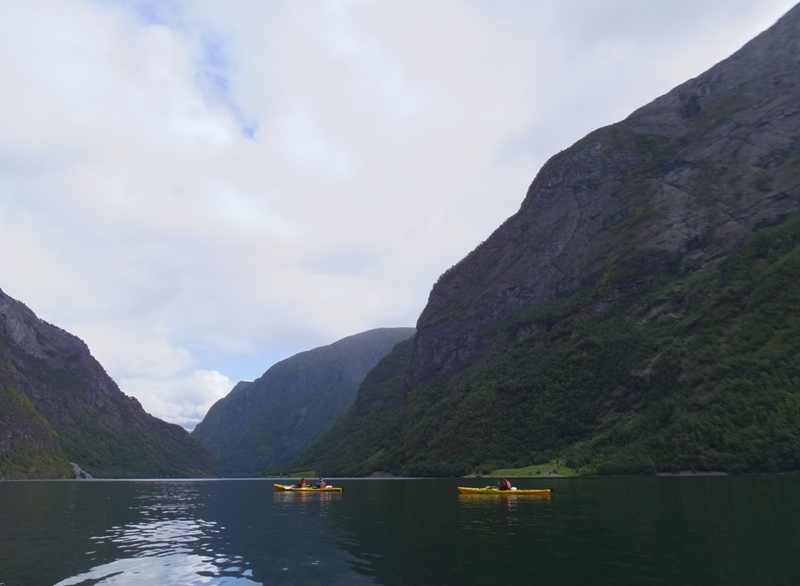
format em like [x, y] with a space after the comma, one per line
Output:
[674, 530]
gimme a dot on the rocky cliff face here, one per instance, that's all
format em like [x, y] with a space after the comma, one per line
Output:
[680, 182]
[61, 390]
[28, 445]
[272, 419]
[638, 314]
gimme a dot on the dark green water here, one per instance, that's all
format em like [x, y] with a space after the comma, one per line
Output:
[683, 531]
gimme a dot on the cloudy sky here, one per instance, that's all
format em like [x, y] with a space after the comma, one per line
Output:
[201, 188]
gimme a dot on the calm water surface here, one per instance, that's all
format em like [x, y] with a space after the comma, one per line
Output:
[683, 531]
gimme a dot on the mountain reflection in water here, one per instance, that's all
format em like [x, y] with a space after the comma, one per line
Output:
[701, 530]
[170, 545]
[170, 533]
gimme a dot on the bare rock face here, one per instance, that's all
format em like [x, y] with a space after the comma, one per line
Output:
[58, 350]
[680, 182]
[60, 403]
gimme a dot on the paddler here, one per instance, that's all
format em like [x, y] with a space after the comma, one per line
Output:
[503, 484]
[301, 483]
[320, 483]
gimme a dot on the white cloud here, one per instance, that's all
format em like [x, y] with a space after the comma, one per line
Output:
[183, 400]
[198, 188]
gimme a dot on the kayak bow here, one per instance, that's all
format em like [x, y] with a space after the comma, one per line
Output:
[291, 488]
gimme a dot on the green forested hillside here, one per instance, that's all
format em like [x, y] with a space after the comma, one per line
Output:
[58, 405]
[701, 372]
[28, 445]
[283, 412]
[112, 436]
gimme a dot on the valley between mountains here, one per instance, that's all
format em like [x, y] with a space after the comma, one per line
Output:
[639, 314]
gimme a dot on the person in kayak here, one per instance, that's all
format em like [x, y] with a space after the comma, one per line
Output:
[301, 483]
[320, 483]
[503, 484]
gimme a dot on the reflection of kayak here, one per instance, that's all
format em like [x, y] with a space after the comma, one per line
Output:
[290, 488]
[512, 492]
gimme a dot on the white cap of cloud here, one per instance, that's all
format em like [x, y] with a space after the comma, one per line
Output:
[181, 400]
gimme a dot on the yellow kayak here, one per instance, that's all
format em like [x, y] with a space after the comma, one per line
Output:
[292, 488]
[512, 492]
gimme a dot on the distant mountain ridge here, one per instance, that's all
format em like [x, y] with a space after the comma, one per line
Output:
[274, 418]
[57, 404]
[637, 314]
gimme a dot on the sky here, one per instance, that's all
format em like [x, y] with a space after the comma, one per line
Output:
[199, 189]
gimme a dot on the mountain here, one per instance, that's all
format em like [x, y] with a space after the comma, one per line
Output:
[28, 445]
[274, 418]
[58, 405]
[637, 314]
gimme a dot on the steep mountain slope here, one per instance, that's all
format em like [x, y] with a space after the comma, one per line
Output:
[282, 413]
[62, 403]
[635, 313]
[684, 179]
[28, 445]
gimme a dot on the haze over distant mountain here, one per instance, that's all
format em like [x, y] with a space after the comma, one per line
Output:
[639, 313]
[57, 405]
[274, 418]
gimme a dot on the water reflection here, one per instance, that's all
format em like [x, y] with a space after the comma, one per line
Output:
[167, 569]
[323, 498]
[177, 533]
[172, 544]
[167, 498]
[490, 513]
[162, 537]
[703, 531]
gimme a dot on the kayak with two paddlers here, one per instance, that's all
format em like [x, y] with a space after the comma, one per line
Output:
[292, 488]
[509, 492]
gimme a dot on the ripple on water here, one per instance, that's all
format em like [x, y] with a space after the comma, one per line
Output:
[178, 568]
[165, 552]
